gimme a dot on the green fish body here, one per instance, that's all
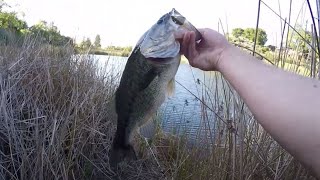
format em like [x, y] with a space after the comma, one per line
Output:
[149, 72]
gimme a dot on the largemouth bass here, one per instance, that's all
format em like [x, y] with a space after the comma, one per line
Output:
[149, 72]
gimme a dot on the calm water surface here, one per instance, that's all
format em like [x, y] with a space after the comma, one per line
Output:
[181, 113]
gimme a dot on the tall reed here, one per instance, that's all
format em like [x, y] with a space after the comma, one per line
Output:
[54, 117]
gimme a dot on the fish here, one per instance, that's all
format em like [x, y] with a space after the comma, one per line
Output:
[148, 74]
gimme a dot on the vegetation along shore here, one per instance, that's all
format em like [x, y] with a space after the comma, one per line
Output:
[57, 117]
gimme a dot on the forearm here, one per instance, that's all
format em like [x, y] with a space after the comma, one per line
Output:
[285, 104]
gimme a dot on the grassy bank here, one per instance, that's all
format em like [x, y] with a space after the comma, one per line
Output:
[103, 52]
[56, 123]
[57, 118]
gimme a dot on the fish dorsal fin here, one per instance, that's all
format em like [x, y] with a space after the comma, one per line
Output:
[171, 88]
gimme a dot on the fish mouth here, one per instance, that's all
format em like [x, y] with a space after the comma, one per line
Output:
[184, 23]
[159, 41]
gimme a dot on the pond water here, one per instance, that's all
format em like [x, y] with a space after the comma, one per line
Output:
[183, 112]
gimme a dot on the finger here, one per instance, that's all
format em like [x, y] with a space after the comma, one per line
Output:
[185, 43]
[179, 37]
[179, 34]
[192, 46]
[192, 51]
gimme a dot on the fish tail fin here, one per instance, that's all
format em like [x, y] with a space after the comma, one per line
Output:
[121, 153]
[171, 87]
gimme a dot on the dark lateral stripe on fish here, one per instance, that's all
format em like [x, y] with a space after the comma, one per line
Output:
[148, 78]
[124, 110]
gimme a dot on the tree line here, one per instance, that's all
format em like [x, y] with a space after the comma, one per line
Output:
[14, 30]
[96, 48]
[295, 43]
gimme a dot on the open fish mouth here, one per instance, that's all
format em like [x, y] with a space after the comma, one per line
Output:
[159, 41]
[184, 23]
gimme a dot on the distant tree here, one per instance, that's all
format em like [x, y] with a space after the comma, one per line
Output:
[250, 33]
[85, 44]
[11, 28]
[10, 21]
[300, 43]
[49, 34]
[272, 47]
[88, 43]
[237, 32]
[97, 41]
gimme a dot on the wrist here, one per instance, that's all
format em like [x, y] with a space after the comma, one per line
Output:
[223, 57]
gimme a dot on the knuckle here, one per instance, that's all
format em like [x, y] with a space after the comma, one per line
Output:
[191, 62]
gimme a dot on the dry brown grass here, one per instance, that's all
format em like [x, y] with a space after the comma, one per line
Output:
[54, 122]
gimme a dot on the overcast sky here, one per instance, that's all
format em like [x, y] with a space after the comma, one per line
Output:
[122, 22]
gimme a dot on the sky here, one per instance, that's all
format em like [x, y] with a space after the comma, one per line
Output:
[122, 22]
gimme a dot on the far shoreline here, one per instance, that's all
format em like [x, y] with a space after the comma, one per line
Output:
[184, 60]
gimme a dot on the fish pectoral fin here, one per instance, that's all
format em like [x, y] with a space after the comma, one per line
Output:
[171, 87]
[148, 78]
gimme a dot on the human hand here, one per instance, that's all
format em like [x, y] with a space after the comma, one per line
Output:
[207, 54]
